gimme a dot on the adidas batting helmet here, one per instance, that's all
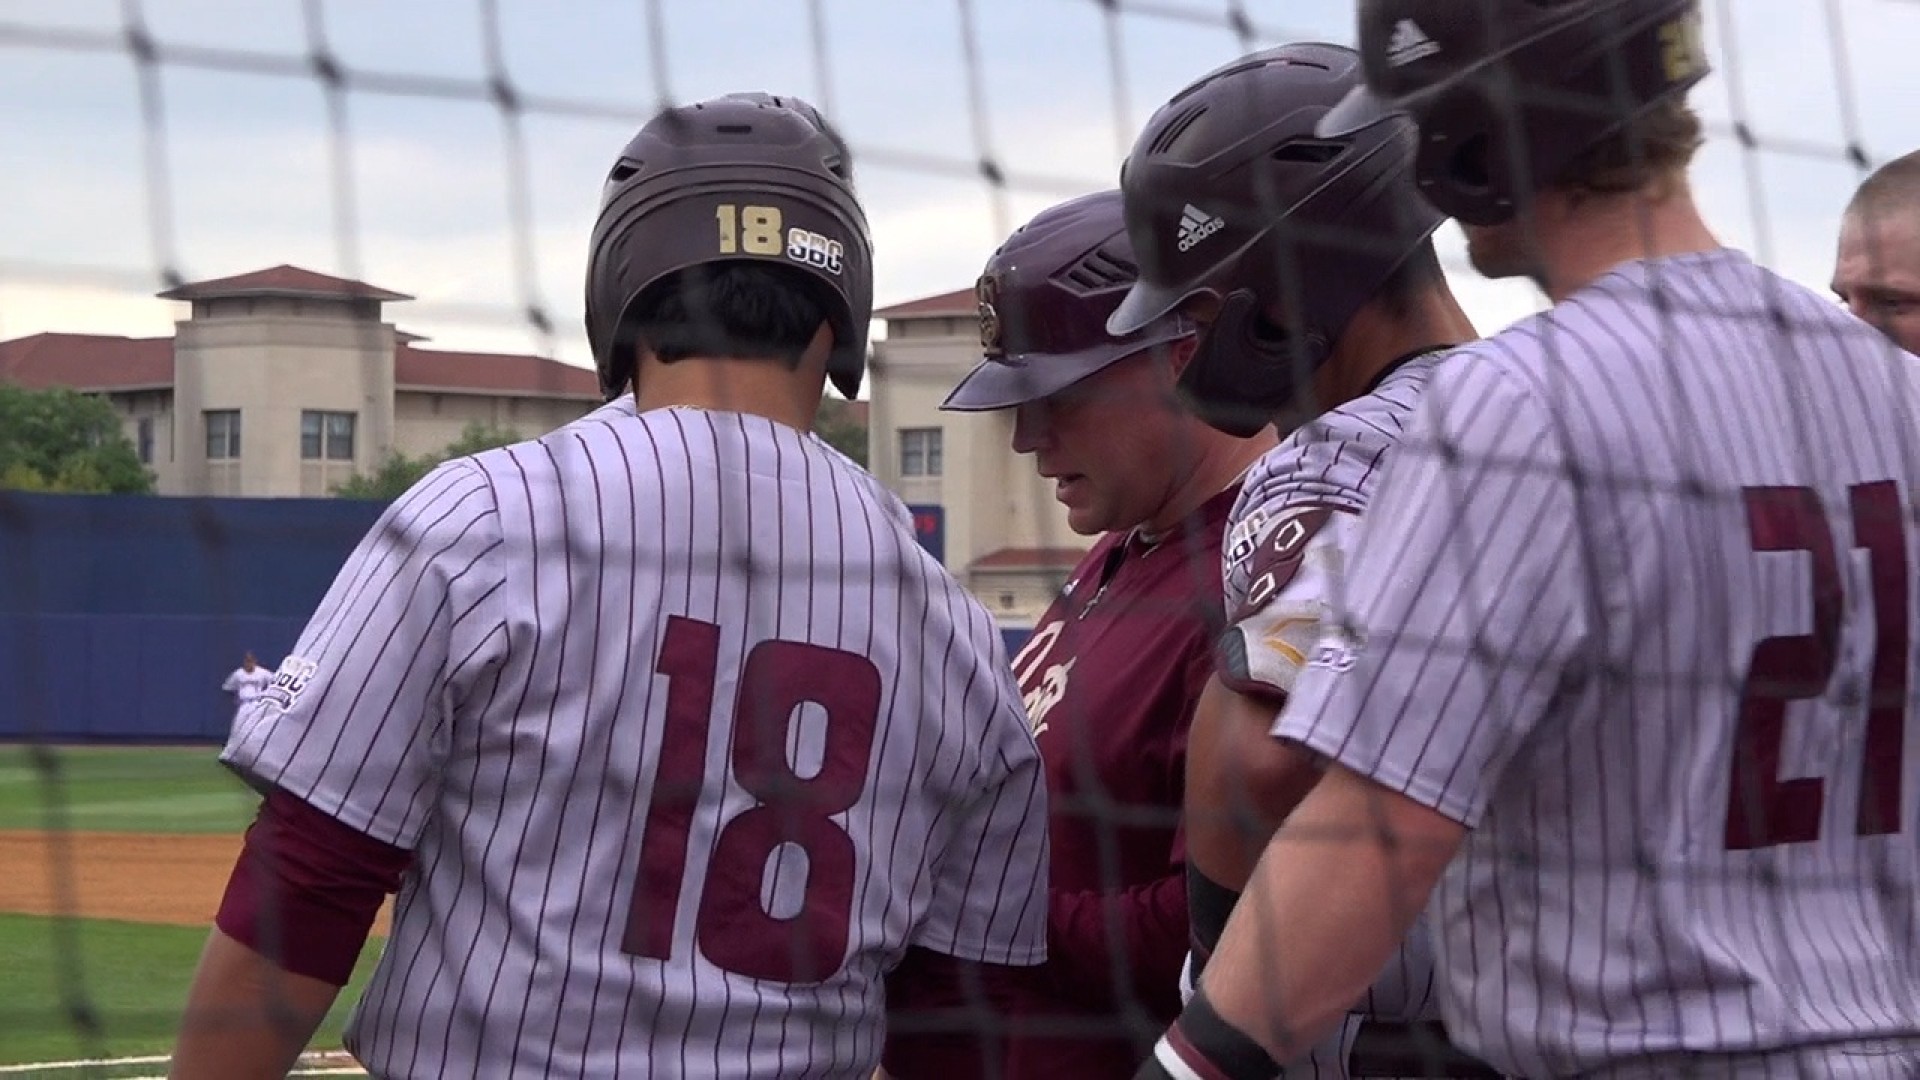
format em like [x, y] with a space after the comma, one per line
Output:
[1044, 299]
[750, 177]
[1231, 194]
[1506, 93]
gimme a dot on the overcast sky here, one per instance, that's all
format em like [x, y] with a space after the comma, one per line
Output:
[426, 195]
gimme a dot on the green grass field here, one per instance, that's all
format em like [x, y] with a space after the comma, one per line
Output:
[95, 988]
[128, 979]
[123, 789]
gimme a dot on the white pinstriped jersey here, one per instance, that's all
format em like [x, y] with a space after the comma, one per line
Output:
[571, 675]
[1287, 535]
[1634, 604]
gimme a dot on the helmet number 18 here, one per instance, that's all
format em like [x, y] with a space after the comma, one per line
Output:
[756, 230]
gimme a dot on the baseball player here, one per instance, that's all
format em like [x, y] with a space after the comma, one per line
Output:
[1877, 272]
[245, 683]
[1114, 666]
[1326, 310]
[671, 737]
[1622, 671]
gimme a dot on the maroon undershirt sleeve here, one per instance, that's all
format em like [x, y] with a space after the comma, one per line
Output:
[306, 889]
[1082, 964]
[950, 1017]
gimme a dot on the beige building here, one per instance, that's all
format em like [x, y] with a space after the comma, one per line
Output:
[285, 382]
[991, 518]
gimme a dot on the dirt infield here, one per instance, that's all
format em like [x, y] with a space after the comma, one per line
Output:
[136, 877]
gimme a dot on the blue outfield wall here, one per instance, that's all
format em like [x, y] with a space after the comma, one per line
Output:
[120, 615]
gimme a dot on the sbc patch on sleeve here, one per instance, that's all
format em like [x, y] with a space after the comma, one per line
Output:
[288, 682]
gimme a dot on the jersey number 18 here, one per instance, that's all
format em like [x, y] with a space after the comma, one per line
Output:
[732, 928]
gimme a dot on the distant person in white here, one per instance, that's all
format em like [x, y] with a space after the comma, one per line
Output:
[682, 753]
[245, 683]
[1623, 676]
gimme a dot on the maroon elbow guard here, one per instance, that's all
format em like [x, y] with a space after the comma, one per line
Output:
[306, 889]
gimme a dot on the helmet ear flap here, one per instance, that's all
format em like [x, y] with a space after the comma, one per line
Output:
[1468, 163]
[1243, 373]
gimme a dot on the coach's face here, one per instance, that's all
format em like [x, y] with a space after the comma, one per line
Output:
[1110, 442]
[1877, 274]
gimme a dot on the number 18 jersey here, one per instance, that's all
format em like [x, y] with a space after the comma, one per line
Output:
[690, 740]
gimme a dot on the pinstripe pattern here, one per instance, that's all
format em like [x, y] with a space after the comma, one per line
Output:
[1335, 461]
[1555, 600]
[483, 691]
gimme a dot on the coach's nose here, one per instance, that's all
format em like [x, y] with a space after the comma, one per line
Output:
[1032, 427]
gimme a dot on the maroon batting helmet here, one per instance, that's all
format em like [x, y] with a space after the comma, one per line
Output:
[1507, 93]
[1230, 194]
[750, 177]
[1044, 299]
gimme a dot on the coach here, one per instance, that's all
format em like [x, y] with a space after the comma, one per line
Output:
[1115, 665]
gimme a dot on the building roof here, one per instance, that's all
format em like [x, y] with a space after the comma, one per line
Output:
[99, 362]
[945, 305]
[86, 362]
[1030, 558]
[490, 373]
[282, 280]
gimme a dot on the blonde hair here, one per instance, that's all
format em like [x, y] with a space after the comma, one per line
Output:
[1651, 149]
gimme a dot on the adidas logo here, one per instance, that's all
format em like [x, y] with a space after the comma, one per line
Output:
[1196, 225]
[1409, 43]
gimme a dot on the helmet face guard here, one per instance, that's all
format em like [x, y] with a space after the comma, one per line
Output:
[1232, 194]
[747, 177]
[1044, 299]
[1506, 94]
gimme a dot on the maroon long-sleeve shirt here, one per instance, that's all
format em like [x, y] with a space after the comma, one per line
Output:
[1110, 679]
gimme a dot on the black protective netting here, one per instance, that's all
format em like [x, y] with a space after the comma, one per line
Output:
[453, 151]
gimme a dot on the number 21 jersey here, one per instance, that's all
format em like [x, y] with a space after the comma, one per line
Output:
[1633, 603]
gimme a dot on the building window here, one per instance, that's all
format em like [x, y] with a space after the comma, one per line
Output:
[920, 452]
[143, 439]
[223, 434]
[326, 435]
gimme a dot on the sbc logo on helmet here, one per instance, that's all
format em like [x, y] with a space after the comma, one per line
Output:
[757, 230]
[814, 249]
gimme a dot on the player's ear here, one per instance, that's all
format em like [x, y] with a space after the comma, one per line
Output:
[1179, 354]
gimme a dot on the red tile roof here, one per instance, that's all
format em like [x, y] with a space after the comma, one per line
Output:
[490, 373]
[99, 362]
[86, 362]
[959, 302]
[1042, 558]
[282, 280]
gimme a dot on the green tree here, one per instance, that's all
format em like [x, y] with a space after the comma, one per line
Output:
[63, 440]
[841, 427]
[399, 472]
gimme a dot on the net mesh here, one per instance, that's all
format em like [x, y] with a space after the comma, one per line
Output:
[455, 150]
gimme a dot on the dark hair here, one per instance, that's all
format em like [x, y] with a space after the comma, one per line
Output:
[1658, 142]
[744, 309]
[1418, 274]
